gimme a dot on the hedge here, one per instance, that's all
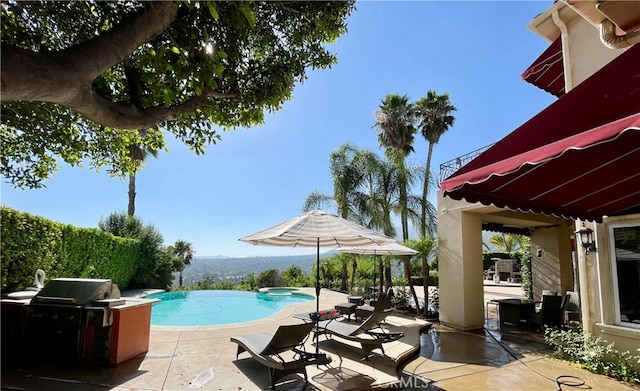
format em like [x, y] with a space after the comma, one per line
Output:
[30, 242]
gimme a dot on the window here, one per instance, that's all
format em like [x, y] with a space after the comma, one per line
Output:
[626, 272]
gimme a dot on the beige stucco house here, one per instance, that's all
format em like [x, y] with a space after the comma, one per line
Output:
[576, 164]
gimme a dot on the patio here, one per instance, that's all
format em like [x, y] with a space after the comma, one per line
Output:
[184, 358]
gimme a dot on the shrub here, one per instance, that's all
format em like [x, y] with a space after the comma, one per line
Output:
[224, 285]
[248, 283]
[206, 283]
[31, 242]
[155, 264]
[593, 354]
[270, 278]
[293, 276]
[434, 300]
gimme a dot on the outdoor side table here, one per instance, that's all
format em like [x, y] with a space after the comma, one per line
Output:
[357, 300]
[305, 316]
[346, 309]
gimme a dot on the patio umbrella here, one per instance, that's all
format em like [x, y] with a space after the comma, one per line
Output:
[317, 229]
[390, 248]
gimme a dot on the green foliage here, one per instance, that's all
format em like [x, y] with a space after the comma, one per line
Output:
[524, 259]
[208, 283]
[293, 276]
[433, 278]
[434, 300]
[507, 243]
[122, 225]
[250, 283]
[182, 252]
[224, 285]
[594, 354]
[434, 114]
[31, 242]
[270, 278]
[155, 263]
[188, 68]
[400, 298]
[330, 272]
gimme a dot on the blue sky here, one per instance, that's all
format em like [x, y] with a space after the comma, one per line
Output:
[256, 178]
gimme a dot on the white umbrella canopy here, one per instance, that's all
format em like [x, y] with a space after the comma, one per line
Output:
[317, 229]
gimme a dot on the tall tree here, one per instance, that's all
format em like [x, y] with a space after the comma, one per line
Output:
[427, 250]
[396, 133]
[78, 77]
[138, 153]
[346, 180]
[184, 251]
[435, 116]
[381, 209]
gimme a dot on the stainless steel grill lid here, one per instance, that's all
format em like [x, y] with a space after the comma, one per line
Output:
[75, 291]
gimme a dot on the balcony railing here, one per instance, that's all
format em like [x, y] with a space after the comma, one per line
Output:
[448, 168]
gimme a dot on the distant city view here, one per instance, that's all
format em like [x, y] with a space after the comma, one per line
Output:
[235, 269]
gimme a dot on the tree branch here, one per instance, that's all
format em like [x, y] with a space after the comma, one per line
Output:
[128, 116]
[117, 43]
[57, 77]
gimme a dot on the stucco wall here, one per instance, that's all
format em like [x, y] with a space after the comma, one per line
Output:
[460, 265]
[598, 291]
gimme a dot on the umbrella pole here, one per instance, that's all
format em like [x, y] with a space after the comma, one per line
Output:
[317, 294]
[318, 278]
[373, 289]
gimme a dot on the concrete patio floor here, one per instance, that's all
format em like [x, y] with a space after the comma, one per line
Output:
[203, 358]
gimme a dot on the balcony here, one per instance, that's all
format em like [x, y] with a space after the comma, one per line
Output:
[451, 166]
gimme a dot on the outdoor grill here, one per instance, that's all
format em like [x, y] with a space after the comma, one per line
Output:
[70, 319]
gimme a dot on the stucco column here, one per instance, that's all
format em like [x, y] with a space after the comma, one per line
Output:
[552, 266]
[460, 265]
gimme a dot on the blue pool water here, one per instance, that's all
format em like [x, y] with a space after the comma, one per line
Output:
[201, 308]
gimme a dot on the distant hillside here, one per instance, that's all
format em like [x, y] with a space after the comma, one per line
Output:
[235, 269]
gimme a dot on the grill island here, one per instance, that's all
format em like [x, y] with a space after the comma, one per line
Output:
[78, 319]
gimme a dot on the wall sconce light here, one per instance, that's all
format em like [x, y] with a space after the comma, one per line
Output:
[539, 253]
[585, 236]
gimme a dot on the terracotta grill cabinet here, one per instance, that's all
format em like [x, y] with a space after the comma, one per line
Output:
[85, 320]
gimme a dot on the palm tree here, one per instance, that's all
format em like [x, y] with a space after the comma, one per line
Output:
[382, 180]
[506, 243]
[138, 152]
[427, 249]
[347, 180]
[434, 113]
[185, 252]
[394, 123]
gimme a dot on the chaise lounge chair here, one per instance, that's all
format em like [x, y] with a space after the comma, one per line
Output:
[282, 352]
[383, 302]
[363, 333]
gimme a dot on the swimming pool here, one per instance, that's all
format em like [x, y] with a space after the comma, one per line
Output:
[217, 307]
